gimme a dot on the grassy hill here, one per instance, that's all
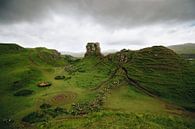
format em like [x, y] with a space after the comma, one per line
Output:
[7, 48]
[187, 50]
[149, 88]
[160, 71]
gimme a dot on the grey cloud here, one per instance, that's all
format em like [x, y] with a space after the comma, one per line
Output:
[69, 24]
[127, 43]
[112, 13]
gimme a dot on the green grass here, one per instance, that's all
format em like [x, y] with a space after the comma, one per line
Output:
[188, 48]
[167, 75]
[110, 120]
[127, 99]
[164, 73]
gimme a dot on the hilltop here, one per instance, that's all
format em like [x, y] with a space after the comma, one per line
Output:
[7, 48]
[148, 88]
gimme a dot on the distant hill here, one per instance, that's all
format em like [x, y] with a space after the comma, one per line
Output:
[75, 54]
[188, 48]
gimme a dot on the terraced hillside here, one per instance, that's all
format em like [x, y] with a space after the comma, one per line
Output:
[149, 88]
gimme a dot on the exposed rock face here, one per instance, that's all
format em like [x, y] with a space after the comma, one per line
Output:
[93, 49]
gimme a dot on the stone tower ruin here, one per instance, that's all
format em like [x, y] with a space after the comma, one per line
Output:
[93, 49]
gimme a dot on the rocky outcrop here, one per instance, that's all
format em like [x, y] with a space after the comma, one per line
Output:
[44, 84]
[93, 49]
[122, 57]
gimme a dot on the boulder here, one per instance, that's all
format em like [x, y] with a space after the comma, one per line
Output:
[44, 84]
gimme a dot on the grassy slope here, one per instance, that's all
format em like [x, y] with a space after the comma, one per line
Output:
[187, 48]
[123, 107]
[163, 73]
[19, 65]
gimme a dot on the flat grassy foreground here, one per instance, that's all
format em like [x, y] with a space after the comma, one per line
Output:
[93, 92]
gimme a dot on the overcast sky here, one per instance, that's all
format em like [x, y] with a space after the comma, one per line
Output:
[67, 25]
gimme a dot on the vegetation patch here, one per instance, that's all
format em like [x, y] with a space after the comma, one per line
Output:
[54, 112]
[17, 85]
[44, 115]
[60, 110]
[45, 106]
[24, 92]
[71, 69]
[81, 109]
[59, 77]
[7, 123]
[67, 78]
[34, 117]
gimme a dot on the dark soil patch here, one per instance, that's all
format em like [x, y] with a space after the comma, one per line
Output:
[59, 77]
[64, 98]
[23, 92]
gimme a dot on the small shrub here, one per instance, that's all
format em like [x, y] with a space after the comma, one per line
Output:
[45, 106]
[50, 112]
[17, 85]
[59, 110]
[70, 69]
[23, 93]
[59, 77]
[34, 117]
[7, 123]
[55, 112]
